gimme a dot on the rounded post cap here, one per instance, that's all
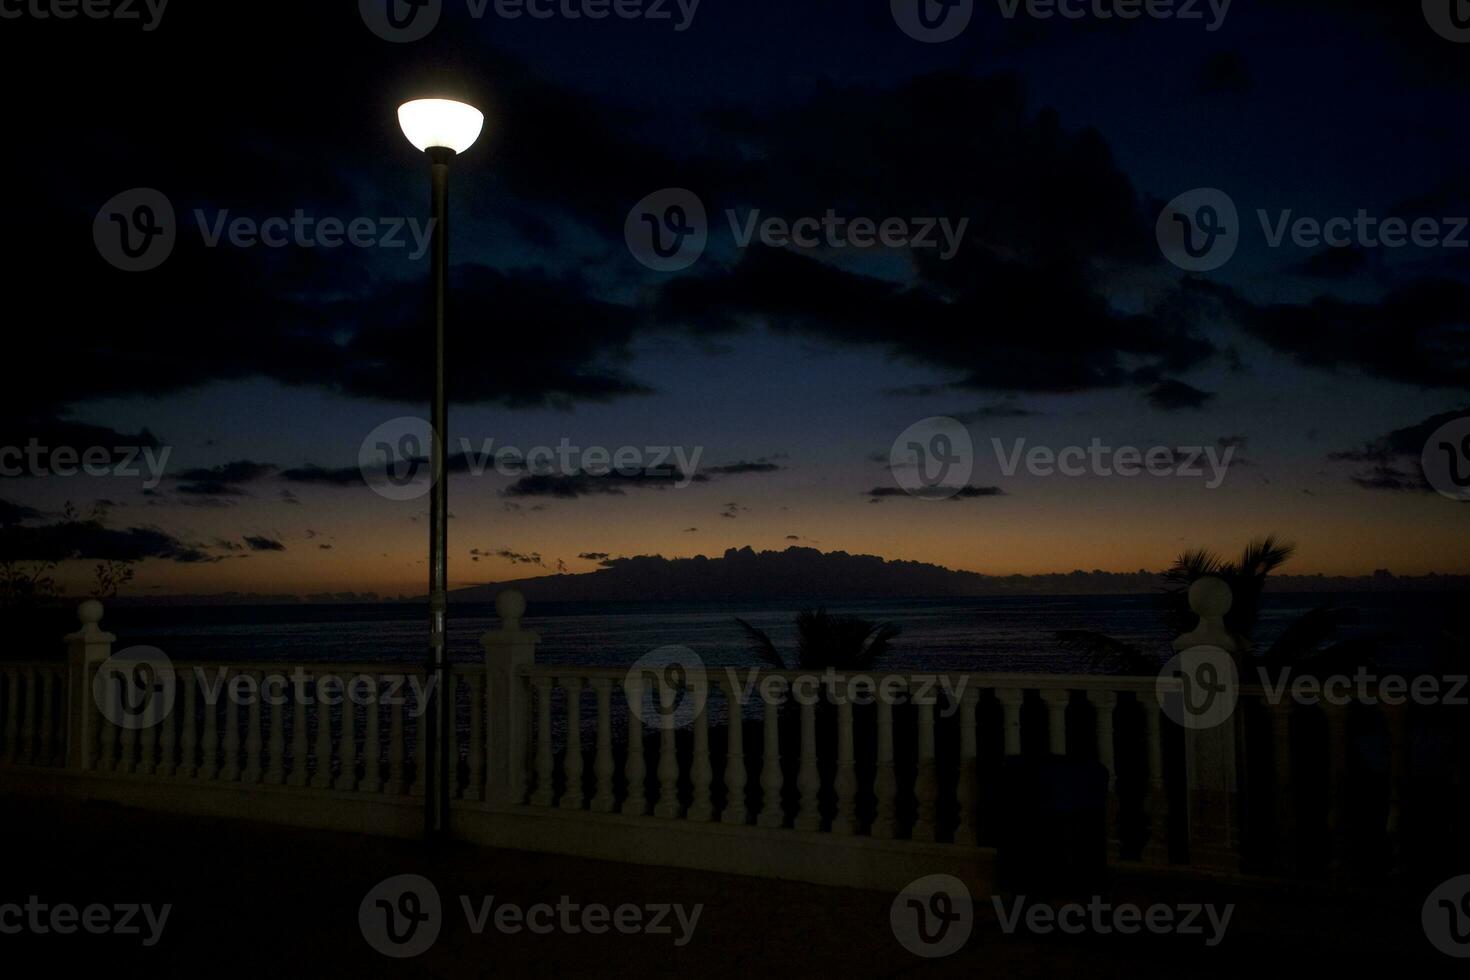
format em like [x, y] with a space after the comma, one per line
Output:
[510, 605]
[90, 612]
[1209, 596]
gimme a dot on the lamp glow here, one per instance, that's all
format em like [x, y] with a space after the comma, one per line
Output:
[430, 123]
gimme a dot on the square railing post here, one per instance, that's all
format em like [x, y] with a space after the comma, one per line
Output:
[507, 650]
[85, 649]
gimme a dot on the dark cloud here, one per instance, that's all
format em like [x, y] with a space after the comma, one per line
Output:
[1224, 73]
[593, 556]
[1171, 396]
[1418, 334]
[964, 493]
[89, 539]
[614, 483]
[1395, 459]
[260, 543]
[12, 513]
[996, 410]
[743, 466]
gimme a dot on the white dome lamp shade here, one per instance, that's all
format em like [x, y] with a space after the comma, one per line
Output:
[441, 124]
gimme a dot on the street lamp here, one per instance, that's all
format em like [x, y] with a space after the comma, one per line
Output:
[442, 128]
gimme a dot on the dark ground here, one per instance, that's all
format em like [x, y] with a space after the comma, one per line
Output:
[251, 899]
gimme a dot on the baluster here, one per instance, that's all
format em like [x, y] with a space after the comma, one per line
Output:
[275, 772]
[1337, 788]
[43, 727]
[1398, 777]
[736, 811]
[347, 758]
[12, 700]
[209, 742]
[128, 738]
[397, 748]
[808, 779]
[668, 761]
[420, 746]
[1285, 805]
[926, 785]
[844, 780]
[1056, 720]
[636, 769]
[772, 779]
[167, 741]
[372, 744]
[253, 772]
[188, 733]
[475, 752]
[701, 772]
[231, 770]
[1156, 848]
[544, 792]
[299, 772]
[33, 707]
[148, 738]
[1105, 704]
[573, 765]
[602, 765]
[322, 777]
[885, 780]
[1011, 701]
[967, 790]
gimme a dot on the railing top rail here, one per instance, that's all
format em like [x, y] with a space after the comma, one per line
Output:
[32, 665]
[1001, 681]
[311, 668]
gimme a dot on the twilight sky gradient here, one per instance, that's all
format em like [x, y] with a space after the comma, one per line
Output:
[1059, 320]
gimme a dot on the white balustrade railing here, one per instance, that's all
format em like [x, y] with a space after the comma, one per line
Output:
[868, 757]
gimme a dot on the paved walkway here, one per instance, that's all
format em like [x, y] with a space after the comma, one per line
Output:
[264, 901]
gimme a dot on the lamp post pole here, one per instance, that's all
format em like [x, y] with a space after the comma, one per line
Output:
[439, 721]
[441, 128]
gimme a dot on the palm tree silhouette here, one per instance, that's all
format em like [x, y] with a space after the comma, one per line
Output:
[1307, 643]
[824, 640]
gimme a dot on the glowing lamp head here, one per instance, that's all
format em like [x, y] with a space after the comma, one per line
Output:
[442, 123]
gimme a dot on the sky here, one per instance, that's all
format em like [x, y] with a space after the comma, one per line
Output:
[792, 375]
